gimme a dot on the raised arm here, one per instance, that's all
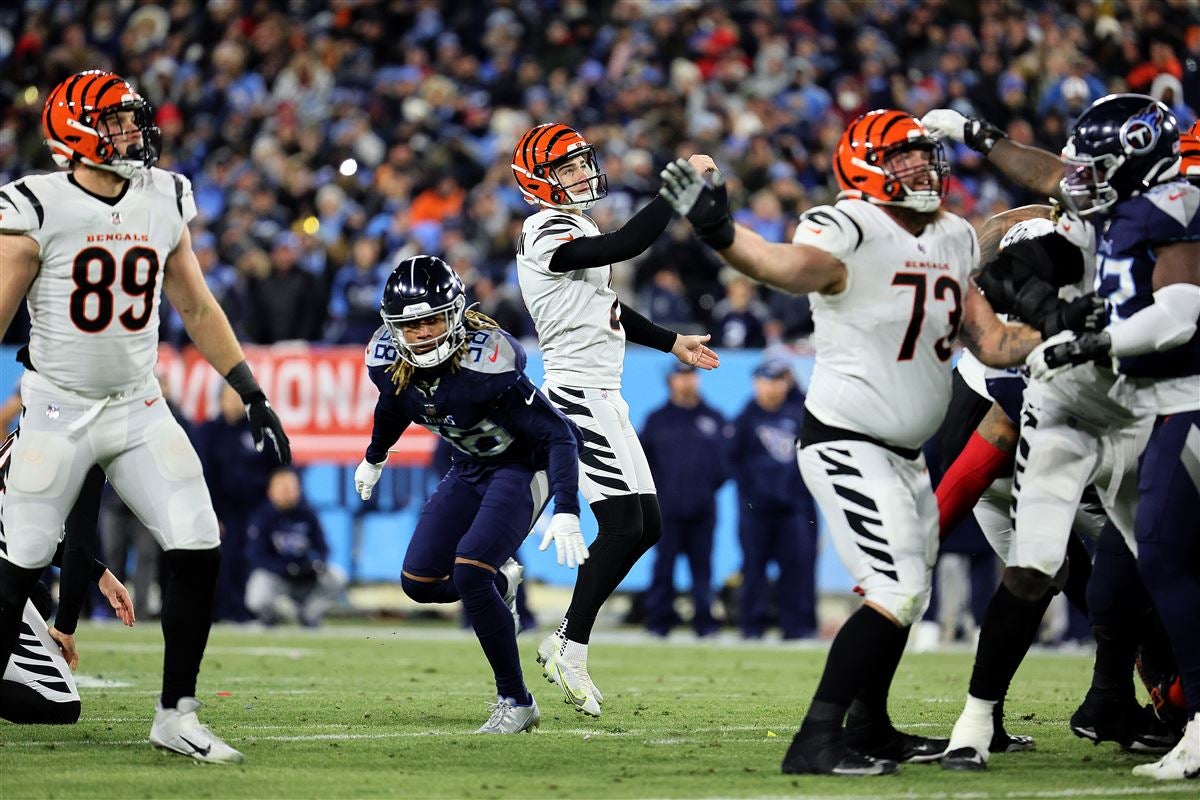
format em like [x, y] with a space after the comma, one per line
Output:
[1031, 167]
[794, 268]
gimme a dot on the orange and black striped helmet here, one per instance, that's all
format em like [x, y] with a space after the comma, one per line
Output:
[861, 161]
[1189, 153]
[81, 117]
[546, 163]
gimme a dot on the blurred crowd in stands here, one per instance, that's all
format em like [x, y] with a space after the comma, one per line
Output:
[328, 140]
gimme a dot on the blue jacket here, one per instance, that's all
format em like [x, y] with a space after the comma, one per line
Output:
[276, 538]
[763, 458]
[235, 472]
[686, 451]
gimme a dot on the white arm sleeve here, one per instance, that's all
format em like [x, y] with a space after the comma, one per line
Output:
[1169, 322]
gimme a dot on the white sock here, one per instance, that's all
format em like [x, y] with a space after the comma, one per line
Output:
[574, 651]
[974, 726]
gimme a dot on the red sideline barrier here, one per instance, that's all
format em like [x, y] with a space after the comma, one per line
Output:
[323, 396]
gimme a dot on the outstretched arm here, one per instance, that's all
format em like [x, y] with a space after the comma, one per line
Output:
[993, 341]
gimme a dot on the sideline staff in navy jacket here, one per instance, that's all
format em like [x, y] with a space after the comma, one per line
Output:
[777, 518]
[684, 440]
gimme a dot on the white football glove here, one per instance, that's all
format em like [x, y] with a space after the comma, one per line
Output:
[1039, 370]
[568, 540]
[946, 123]
[365, 478]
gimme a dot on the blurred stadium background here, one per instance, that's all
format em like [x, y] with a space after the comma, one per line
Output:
[327, 141]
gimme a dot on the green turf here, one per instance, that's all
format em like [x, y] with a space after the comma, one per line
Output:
[385, 712]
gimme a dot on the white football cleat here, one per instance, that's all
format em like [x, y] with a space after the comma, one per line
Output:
[508, 717]
[179, 730]
[1182, 763]
[513, 571]
[553, 644]
[572, 677]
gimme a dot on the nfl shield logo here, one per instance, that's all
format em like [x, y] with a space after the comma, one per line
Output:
[430, 410]
[52, 411]
[116, 218]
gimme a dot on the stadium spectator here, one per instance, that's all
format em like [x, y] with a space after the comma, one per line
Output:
[288, 557]
[685, 441]
[738, 320]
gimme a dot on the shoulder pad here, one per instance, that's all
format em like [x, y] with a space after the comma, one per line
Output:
[21, 210]
[831, 229]
[492, 352]
[177, 187]
[380, 352]
[1178, 201]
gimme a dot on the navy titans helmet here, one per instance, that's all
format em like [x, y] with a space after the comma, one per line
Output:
[419, 288]
[1122, 145]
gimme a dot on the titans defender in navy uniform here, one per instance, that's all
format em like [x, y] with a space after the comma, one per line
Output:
[1121, 168]
[455, 373]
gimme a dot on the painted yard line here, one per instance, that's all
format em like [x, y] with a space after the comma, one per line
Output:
[1181, 788]
[234, 650]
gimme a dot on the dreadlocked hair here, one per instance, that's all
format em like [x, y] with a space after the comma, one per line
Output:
[401, 371]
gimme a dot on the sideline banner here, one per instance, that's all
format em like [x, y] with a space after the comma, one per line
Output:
[323, 396]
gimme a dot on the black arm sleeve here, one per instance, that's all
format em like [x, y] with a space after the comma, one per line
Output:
[390, 423]
[640, 330]
[589, 252]
[79, 564]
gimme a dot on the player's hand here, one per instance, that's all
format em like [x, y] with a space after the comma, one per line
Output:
[265, 424]
[691, 350]
[703, 164]
[706, 207]
[66, 643]
[365, 478]
[1083, 314]
[117, 596]
[1067, 349]
[977, 134]
[568, 540]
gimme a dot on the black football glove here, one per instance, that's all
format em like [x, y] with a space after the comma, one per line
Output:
[1082, 349]
[265, 424]
[706, 207]
[1083, 314]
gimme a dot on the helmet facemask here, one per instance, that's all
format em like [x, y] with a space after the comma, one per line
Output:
[1085, 183]
[428, 352]
[578, 176]
[897, 184]
[106, 125]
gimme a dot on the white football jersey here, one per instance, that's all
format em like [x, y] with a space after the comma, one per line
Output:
[577, 313]
[883, 344]
[95, 301]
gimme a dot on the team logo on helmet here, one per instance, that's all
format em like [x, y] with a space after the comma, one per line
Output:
[1139, 134]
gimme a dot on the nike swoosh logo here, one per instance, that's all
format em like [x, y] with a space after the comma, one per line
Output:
[1175, 196]
[204, 751]
[495, 353]
[817, 231]
[567, 238]
[150, 402]
[532, 397]
[1066, 227]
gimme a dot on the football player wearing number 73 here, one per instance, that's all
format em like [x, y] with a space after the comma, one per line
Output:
[889, 272]
[456, 373]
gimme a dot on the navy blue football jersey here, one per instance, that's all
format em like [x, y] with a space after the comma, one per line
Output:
[1125, 256]
[486, 408]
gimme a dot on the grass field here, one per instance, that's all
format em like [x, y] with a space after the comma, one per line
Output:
[388, 712]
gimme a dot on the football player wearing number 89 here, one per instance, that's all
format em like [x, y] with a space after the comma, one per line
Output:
[890, 276]
[456, 373]
[92, 249]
